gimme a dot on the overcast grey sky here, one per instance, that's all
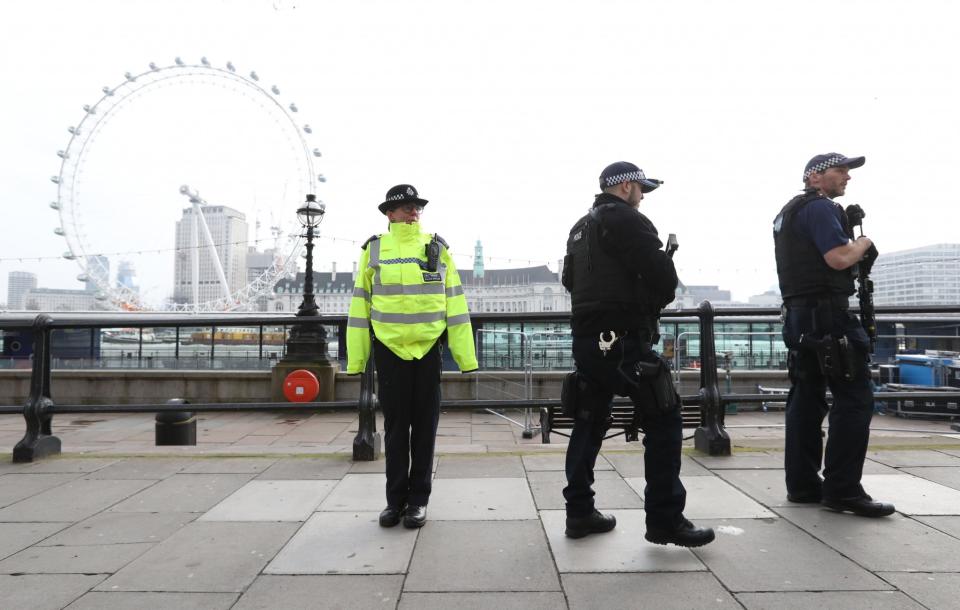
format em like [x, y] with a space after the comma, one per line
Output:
[501, 113]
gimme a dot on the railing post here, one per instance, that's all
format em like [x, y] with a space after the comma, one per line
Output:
[710, 437]
[38, 441]
[366, 444]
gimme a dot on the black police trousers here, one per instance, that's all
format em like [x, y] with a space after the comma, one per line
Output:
[849, 417]
[409, 394]
[664, 494]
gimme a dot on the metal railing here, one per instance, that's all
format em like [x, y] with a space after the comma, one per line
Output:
[39, 440]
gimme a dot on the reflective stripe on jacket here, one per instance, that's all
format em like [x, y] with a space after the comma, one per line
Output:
[407, 307]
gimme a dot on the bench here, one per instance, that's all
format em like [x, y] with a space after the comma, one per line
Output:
[782, 392]
[553, 420]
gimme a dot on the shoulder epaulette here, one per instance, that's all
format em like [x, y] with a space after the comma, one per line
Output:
[441, 240]
[366, 243]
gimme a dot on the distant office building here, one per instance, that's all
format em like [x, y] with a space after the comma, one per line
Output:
[98, 273]
[770, 298]
[921, 276]
[125, 275]
[18, 284]
[60, 299]
[228, 229]
[689, 296]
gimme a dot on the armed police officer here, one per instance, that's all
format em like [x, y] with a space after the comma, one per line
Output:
[619, 280]
[827, 345]
[408, 293]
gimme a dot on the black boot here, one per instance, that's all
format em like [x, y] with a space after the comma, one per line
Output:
[390, 516]
[684, 534]
[595, 523]
[863, 505]
[415, 517]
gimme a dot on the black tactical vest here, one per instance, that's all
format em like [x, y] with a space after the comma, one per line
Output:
[800, 266]
[596, 280]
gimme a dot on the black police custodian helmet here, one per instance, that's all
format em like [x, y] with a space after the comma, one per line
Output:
[399, 195]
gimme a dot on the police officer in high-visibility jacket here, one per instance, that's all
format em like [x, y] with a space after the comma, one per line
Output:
[407, 293]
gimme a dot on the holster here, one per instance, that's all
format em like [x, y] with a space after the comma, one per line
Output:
[572, 390]
[651, 389]
[836, 357]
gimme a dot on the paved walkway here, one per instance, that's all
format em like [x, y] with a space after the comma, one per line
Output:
[270, 512]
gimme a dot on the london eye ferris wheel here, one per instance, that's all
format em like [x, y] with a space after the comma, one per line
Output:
[132, 173]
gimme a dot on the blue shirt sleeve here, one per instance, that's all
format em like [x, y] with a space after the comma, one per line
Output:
[820, 221]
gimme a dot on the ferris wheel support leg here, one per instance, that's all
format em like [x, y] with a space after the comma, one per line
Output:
[38, 441]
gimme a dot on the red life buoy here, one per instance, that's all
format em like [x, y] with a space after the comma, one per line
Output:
[301, 386]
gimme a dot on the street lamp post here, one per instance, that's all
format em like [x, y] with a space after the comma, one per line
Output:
[308, 341]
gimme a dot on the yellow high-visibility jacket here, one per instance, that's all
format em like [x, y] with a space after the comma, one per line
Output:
[407, 306]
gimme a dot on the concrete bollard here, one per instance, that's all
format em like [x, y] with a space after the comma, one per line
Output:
[176, 427]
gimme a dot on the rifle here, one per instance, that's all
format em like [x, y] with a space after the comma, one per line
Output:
[868, 319]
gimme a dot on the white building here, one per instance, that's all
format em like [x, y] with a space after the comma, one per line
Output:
[497, 291]
[61, 299]
[228, 229]
[18, 284]
[922, 276]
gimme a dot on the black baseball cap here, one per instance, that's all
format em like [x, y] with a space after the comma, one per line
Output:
[822, 163]
[624, 171]
[400, 195]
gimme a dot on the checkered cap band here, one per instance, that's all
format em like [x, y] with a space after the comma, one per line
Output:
[636, 176]
[824, 165]
[397, 197]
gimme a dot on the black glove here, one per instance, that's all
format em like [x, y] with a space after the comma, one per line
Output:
[869, 258]
[855, 215]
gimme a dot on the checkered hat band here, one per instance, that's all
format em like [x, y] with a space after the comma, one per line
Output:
[824, 166]
[396, 197]
[626, 177]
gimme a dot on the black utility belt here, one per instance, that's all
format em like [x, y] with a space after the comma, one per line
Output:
[835, 301]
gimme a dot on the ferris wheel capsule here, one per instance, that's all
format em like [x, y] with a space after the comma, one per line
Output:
[178, 61]
[293, 107]
[89, 109]
[204, 61]
[73, 130]
[62, 154]
[55, 179]
[254, 75]
[107, 91]
[69, 255]
[275, 89]
[130, 77]
[231, 67]
[153, 66]
[59, 231]
[307, 129]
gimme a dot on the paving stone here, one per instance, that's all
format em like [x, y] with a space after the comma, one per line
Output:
[944, 475]
[374, 466]
[775, 555]
[829, 600]
[937, 591]
[765, 486]
[630, 464]
[204, 556]
[16, 487]
[874, 467]
[889, 544]
[345, 543]
[72, 501]
[612, 491]
[921, 457]
[949, 525]
[121, 528]
[353, 592]
[15, 537]
[237, 465]
[357, 493]
[57, 590]
[122, 600]
[302, 469]
[652, 590]
[103, 559]
[530, 600]
[621, 550]
[713, 498]
[69, 464]
[913, 495]
[481, 499]
[184, 493]
[741, 461]
[271, 501]
[481, 556]
[142, 468]
[463, 467]
[557, 461]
